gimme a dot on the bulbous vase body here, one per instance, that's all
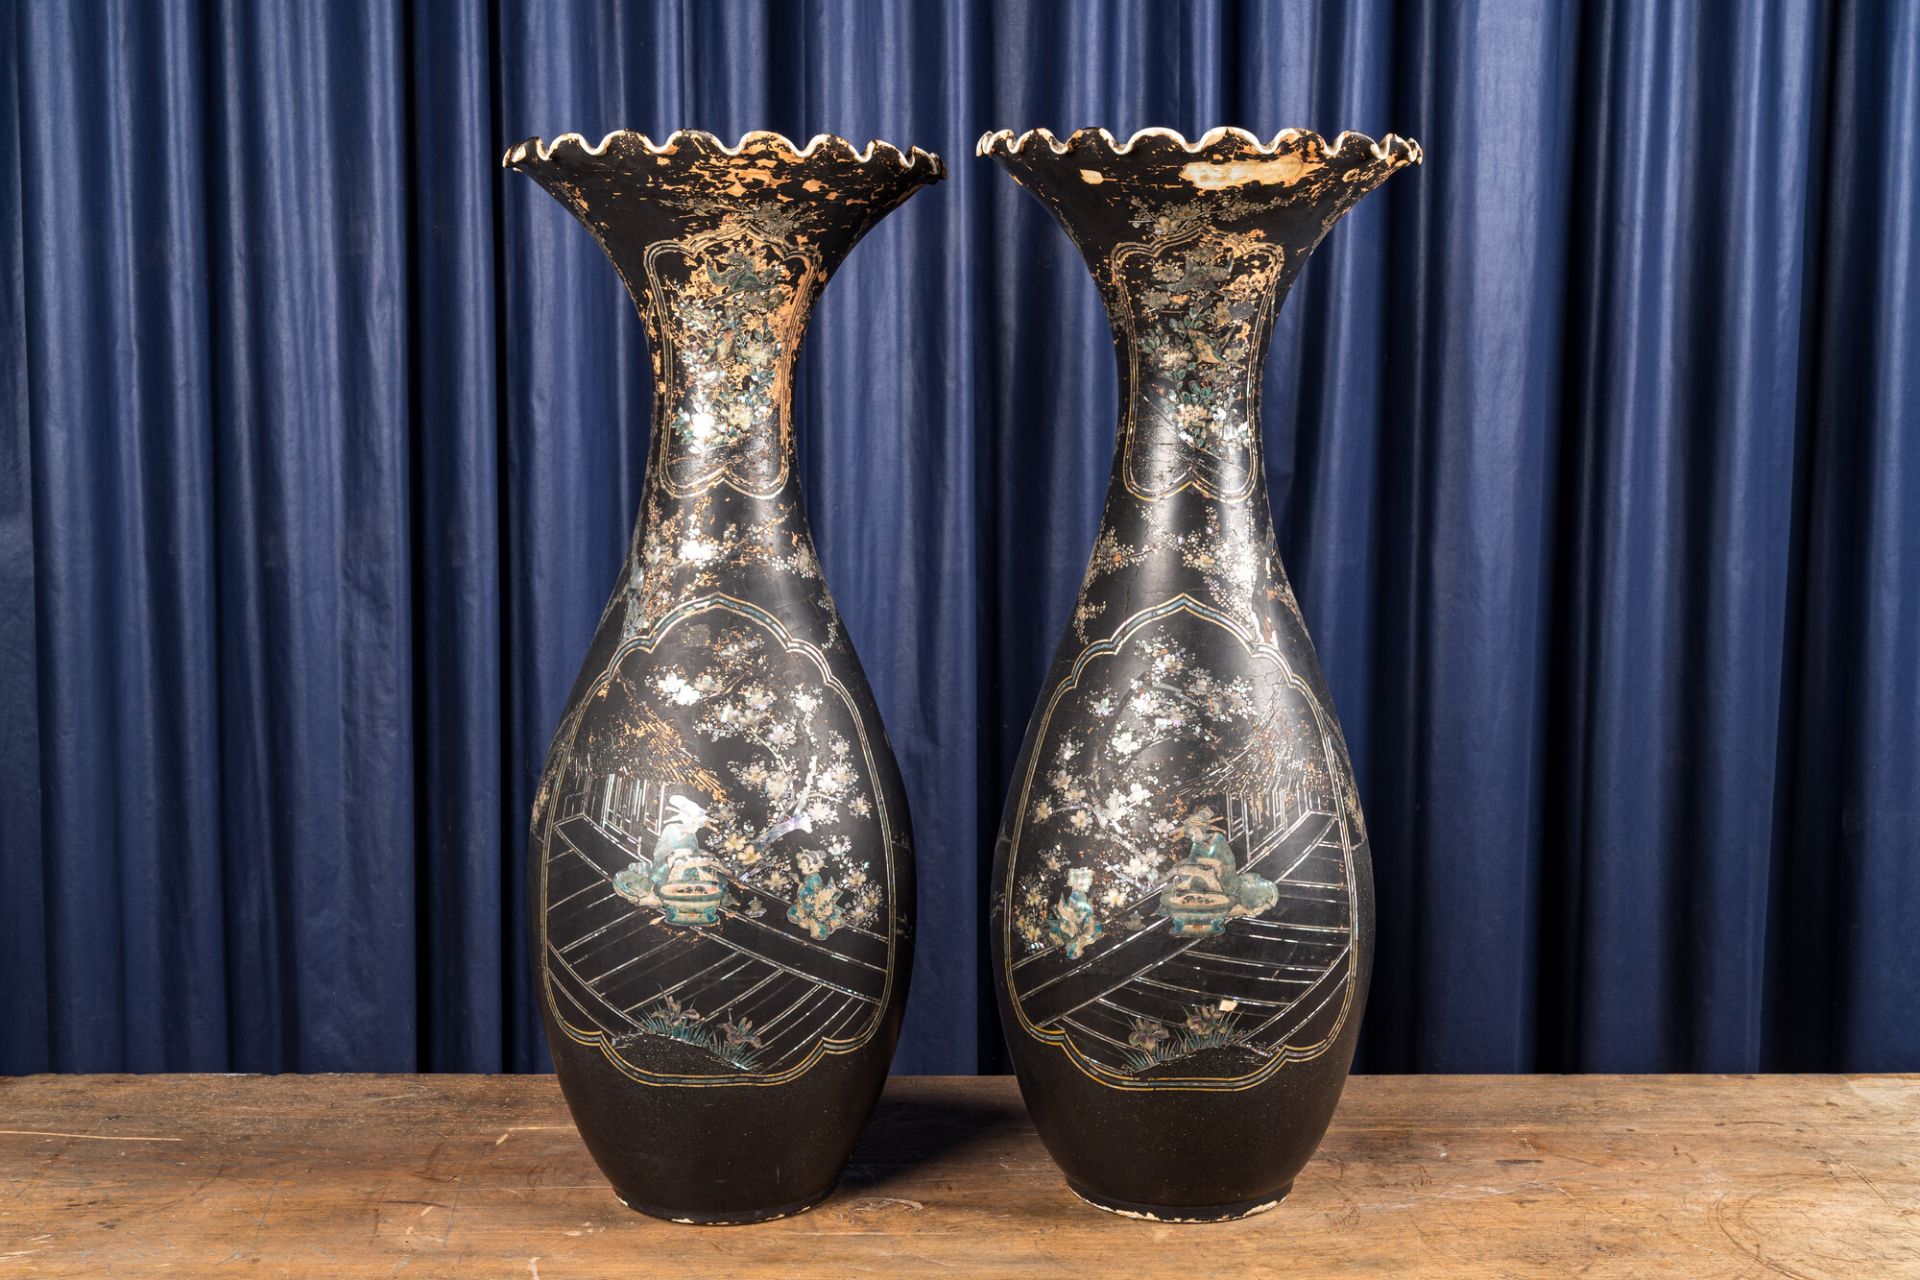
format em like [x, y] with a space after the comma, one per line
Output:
[721, 877]
[1182, 921]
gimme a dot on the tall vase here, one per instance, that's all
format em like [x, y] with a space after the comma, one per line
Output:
[721, 872]
[1182, 921]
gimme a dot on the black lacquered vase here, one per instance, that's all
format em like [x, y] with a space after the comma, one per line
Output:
[721, 870]
[1182, 920]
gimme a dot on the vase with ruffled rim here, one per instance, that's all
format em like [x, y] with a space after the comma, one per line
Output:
[721, 876]
[1182, 918]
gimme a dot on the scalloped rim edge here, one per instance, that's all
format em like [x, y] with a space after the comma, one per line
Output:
[541, 149]
[1390, 148]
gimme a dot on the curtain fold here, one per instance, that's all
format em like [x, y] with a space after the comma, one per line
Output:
[1592, 448]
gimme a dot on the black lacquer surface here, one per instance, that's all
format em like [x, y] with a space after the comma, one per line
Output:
[1183, 902]
[721, 871]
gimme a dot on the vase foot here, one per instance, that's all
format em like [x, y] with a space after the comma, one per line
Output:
[1181, 1212]
[743, 1218]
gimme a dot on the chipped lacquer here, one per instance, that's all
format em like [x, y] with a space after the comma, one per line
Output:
[721, 876]
[1182, 919]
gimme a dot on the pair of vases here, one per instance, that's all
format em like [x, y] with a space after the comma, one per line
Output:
[722, 883]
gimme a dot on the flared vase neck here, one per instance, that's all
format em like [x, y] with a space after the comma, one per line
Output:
[724, 251]
[1193, 247]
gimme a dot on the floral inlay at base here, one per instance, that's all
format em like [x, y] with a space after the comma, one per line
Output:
[1184, 898]
[716, 830]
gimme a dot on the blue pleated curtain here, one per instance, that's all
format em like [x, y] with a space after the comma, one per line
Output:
[1593, 449]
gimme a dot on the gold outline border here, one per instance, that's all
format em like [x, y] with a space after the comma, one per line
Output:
[1192, 479]
[647, 642]
[1108, 647]
[791, 329]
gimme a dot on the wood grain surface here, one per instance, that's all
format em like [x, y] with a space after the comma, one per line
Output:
[483, 1176]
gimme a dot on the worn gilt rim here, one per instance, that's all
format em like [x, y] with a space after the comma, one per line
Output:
[1389, 149]
[761, 141]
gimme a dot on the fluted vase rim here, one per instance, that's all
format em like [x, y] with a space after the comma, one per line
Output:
[1390, 148]
[755, 142]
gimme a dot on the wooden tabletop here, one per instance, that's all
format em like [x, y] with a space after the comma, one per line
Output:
[1439, 1175]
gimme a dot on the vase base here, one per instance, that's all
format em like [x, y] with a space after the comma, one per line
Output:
[1181, 1212]
[746, 1217]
